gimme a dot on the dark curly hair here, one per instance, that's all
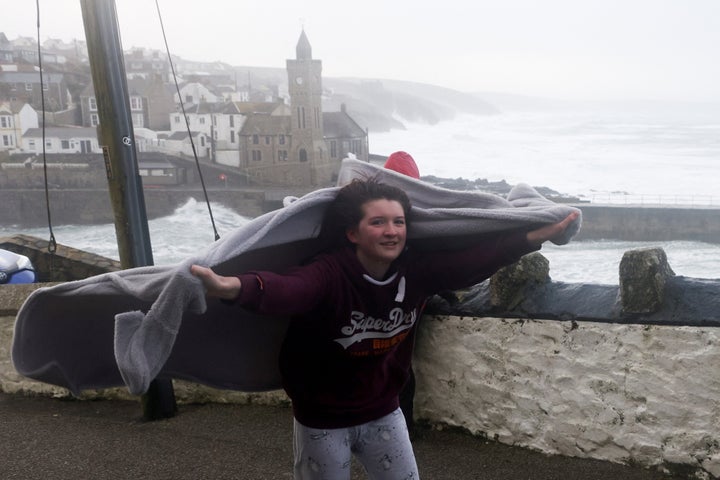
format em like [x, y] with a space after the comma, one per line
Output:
[346, 210]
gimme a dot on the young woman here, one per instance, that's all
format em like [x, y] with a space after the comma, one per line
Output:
[347, 351]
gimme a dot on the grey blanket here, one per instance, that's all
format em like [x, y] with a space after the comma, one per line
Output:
[131, 326]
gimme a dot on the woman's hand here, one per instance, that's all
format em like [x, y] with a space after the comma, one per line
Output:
[550, 232]
[227, 288]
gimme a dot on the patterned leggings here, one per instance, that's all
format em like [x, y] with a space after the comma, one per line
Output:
[382, 446]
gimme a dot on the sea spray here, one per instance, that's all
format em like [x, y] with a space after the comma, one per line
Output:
[173, 238]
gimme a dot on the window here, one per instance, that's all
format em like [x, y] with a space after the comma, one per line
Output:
[256, 155]
[176, 119]
[232, 121]
[256, 139]
[136, 103]
[282, 155]
[65, 144]
[267, 140]
[202, 120]
[31, 144]
[202, 140]
[138, 120]
[302, 109]
[94, 120]
[6, 121]
[7, 141]
[333, 149]
[28, 87]
[232, 136]
[93, 104]
[281, 140]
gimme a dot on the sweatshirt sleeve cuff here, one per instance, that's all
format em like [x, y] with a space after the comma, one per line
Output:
[251, 290]
[517, 244]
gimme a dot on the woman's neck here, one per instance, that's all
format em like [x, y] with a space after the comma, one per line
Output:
[376, 269]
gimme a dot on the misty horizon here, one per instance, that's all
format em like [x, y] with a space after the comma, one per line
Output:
[593, 50]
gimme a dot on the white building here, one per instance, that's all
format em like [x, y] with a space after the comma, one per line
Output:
[61, 140]
[175, 143]
[194, 93]
[15, 120]
[221, 124]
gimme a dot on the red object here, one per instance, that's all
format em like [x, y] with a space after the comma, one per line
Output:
[402, 162]
[223, 176]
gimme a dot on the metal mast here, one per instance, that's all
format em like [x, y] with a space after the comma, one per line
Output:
[118, 140]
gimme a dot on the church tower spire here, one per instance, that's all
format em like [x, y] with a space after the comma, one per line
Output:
[303, 50]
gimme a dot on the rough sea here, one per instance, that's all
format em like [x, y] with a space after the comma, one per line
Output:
[666, 154]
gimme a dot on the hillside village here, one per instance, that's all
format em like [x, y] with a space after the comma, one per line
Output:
[268, 134]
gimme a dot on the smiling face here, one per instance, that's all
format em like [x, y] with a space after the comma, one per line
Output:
[380, 235]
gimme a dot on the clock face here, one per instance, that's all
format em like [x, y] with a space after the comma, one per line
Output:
[299, 80]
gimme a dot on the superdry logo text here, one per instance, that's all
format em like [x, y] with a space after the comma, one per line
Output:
[363, 327]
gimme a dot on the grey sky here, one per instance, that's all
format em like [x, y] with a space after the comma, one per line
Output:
[591, 49]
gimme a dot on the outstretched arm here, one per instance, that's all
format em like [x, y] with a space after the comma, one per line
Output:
[219, 286]
[550, 232]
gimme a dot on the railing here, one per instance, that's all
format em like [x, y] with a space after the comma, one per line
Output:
[655, 199]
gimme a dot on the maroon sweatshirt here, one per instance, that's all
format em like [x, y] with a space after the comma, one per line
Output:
[347, 351]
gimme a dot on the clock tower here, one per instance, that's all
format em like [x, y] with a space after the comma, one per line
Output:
[305, 89]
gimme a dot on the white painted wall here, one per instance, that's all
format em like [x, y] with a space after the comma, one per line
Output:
[27, 117]
[229, 158]
[647, 394]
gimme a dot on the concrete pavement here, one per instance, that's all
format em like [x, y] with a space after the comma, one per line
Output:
[43, 438]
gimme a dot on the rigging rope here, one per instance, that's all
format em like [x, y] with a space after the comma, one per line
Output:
[187, 124]
[52, 244]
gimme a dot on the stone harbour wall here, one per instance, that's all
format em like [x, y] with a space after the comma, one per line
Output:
[650, 223]
[66, 263]
[28, 208]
